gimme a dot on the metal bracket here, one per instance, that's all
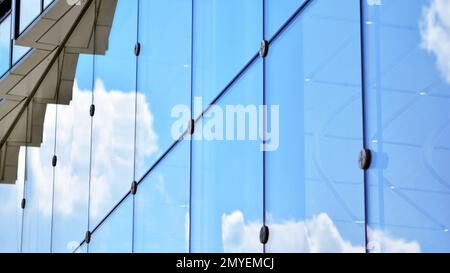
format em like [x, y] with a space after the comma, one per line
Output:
[134, 188]
[137, 49]
[92, 110]
[264, 235]
[191, 127]
[365, 159]
[87, 238]
[264, 49]
[54, 161]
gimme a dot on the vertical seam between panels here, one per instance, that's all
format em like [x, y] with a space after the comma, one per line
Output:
[92, 120]
[192, 135]
[135, 124]
[363, 104]
[264, 181]
[24, 180]
[58, 79]
[11, 43]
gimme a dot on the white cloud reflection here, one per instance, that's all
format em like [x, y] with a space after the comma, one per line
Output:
[435, 34]
[316, 235]
[73, 148]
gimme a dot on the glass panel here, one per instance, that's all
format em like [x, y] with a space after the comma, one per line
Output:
[162, 205]
[10, 210]
[278, 12]
[29, 10]
[227, 34]
[114, 121]
[164, 76]
[5, 44]
[39, 179]
[47, 3]
[70, 215]
[115, 235]
[315, 190]
[19, 52]
[408, 125]
[227, 171]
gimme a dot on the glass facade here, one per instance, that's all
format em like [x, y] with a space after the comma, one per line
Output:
[5, 43]
[201, 140]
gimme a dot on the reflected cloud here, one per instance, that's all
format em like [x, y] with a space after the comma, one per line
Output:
[187, 219]
[435, 33]
[383, 243]
[239, 237]
[9, 196]
[161, 187]
[73, 142]
[316, 235]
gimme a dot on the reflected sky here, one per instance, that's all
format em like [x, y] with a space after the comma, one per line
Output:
[5, 42]
[315, 191]
[314, 173]
[408, 123]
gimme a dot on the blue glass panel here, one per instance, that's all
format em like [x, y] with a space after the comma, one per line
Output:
[408, 127]
[227, 196]
[227, 33]
[164, 76]
[73, 135]
[162, 205]
[10, 211]
[39, 179]
[114, 120]
[5, 44]
[18, 53]
[47, 3]
[115, 235]
[315, 190]
[29, 10]
[278, 12]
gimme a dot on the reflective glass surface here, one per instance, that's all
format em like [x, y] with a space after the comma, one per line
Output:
[164, 73]
[19, 52]
[11, 212]
[116, 234]
[29, 10]
[215, 193]
[5, 44]
[162, 205]
[227, 171]
[315, 191]
[39, 181]
[227, 33]
[408, 83]
[277, 13]
[114, 120]
[47, 3]
[73, 138]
